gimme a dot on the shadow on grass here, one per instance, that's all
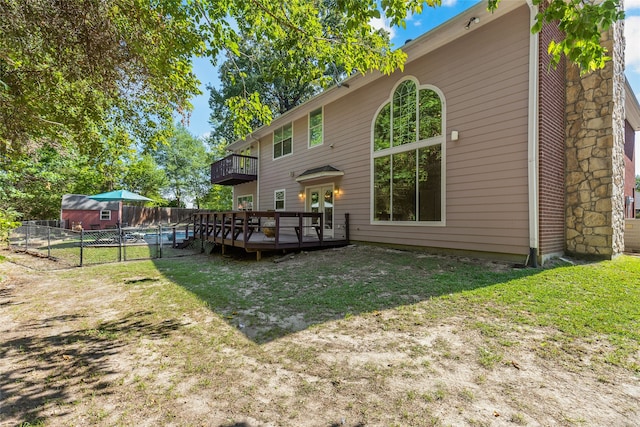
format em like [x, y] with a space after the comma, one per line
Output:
[40, 371]
[267, 300]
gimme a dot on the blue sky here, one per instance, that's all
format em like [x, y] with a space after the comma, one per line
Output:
[417, 25]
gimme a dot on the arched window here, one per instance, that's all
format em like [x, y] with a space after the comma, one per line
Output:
[408, 141]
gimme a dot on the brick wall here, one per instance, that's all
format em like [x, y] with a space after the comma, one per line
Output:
[551, 133]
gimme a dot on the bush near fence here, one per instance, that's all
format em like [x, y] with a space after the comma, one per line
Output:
[86, 247]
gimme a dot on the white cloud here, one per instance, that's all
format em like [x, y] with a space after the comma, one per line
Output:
[631, 4]
[632, 36]
[450, 3]
[383, 24]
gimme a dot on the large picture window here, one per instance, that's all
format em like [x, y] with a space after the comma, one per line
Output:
[282, 141]
[408, 143]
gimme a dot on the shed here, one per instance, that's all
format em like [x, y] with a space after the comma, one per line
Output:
[79, 211]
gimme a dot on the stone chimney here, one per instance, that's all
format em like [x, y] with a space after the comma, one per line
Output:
[594, 180]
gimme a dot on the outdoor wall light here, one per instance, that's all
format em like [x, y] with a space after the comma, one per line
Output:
[301, 195]
[473, 20]
[336, 191]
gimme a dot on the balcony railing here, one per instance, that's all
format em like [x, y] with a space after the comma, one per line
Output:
[234, 169]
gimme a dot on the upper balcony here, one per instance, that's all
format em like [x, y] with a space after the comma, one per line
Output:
[234, 169]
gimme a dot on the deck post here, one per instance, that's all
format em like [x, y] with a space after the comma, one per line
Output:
[346, 226]
[301, 230]
[201, 234]
[277, 215]
[173, 241]
[233, 228]
[321, 237]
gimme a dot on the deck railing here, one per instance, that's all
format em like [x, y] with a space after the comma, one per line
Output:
[264, 230]
[234, 169]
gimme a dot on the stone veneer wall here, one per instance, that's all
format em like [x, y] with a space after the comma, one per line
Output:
[594, 157]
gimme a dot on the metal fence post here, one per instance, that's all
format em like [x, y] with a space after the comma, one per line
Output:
[81, 246]
[119, 243]
[123, 239]
[49, 242]
[159, 241]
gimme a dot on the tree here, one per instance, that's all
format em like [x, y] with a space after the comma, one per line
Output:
[144, 176]
[185, 162]
[71, 71]
[278, 92]
[282, 80]
[32, 185]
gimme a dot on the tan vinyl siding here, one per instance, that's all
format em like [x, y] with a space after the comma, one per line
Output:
[484, 79]
[245, 190]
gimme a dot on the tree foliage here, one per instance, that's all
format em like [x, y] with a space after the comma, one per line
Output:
[73, 70]
[274, 70]
[582, 22]
[185, 162]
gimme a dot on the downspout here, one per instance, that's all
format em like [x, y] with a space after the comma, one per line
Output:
[532, 156]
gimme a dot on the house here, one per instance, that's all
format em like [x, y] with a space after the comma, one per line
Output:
[475, 147]
[81, 212]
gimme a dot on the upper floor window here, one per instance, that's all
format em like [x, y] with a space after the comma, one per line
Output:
[412, 115]
[283, 141]
[315, 128]
[408, 144]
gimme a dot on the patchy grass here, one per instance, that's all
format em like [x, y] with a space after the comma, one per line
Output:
[356, 336]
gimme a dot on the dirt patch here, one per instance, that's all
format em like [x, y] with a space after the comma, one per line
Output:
[109, 345]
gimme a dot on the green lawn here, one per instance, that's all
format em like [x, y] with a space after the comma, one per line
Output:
[576, 302]
[369, 335]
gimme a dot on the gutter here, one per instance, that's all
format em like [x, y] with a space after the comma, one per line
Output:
[532, 155]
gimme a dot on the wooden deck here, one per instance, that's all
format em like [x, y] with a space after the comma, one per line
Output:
[258, 231]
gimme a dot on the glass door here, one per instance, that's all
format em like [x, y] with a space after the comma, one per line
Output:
[320, 199]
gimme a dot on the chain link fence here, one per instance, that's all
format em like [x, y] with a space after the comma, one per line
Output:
[86, 247]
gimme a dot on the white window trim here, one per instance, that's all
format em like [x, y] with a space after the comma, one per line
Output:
[273, 142]
[321, 127]
[284, 199]
[440, 139]
[109, 215]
